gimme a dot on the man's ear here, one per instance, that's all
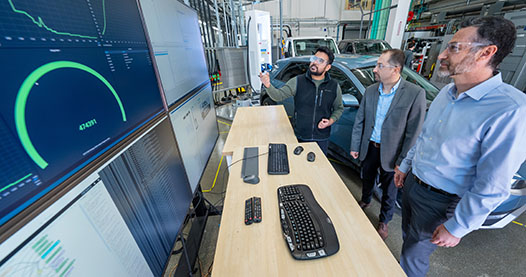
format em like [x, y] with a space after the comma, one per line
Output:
[328, 67]
[487, 53]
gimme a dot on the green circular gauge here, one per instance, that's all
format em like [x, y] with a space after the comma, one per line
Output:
[25, 89]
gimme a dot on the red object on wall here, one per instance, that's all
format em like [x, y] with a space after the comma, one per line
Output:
[410, 15]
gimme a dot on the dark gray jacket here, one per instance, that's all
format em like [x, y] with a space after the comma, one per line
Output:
[401, 127]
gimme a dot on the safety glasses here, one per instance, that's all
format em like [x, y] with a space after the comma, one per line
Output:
[318, 60]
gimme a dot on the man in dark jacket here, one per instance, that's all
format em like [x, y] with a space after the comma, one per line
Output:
[317, 99]
[386, 126]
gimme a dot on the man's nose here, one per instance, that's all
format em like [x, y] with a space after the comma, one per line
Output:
[443, 55]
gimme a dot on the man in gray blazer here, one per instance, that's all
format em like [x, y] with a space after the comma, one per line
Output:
[386, 126]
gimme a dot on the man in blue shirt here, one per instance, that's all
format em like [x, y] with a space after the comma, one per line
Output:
[386, 126]
[472, 142]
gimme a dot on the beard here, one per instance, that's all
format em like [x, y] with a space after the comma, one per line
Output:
[314, 70]
[464, 66]
[377, 77]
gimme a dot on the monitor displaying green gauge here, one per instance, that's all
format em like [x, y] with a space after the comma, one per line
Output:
[77, 77]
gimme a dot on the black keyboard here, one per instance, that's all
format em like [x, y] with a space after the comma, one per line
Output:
[307, 229]
[278, 162]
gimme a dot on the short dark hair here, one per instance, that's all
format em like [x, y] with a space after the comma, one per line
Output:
[396, 57]
[327, 51]
[496, 31]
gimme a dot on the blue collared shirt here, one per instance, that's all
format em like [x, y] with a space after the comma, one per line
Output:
[384, 102]
[472, 146]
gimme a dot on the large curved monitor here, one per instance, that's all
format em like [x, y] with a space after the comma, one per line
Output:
[77, 77]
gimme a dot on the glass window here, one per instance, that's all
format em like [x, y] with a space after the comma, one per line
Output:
[366, 77]
[306, 47]
[346, 84]
[341, 46]
[371, 47]
[415, 78]
[349, 49]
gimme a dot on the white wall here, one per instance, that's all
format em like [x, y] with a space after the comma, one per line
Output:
[309, 10]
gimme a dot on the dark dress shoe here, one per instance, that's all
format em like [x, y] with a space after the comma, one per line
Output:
[382, 230]
[363, 205]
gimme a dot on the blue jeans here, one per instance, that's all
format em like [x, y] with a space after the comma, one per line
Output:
[423, 211]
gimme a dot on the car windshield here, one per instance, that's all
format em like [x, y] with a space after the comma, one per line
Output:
[305, 47]
[370, 47]
[366, 76]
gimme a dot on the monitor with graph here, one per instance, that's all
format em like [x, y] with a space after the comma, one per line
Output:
[122, 220]
[77, 77]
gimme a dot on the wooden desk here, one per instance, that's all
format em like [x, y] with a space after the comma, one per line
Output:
[259, 126]
[260, 250]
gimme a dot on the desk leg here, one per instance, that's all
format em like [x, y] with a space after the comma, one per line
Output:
[228, 162]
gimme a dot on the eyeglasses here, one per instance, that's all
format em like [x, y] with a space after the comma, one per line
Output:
[314, 59]
[455, 47]
[382, 66]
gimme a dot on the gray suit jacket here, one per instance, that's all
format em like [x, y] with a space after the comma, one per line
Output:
[402, 124]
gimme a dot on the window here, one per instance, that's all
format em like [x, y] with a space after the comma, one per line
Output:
[413, 77]
[306, 47]
[346, 84]
[341, 46]
[366, 77]
[371, 47]
[349, 49]
[292, 70]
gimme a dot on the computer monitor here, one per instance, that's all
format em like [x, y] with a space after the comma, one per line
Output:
[77, 77]
[195, 125]
[174, 33]
[122, 220]
[82, 234]
[151, 190]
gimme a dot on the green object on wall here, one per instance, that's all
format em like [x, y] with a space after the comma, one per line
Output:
[380, 19]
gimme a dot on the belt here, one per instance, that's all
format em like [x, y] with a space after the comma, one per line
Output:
[375, 144]
[431, 188]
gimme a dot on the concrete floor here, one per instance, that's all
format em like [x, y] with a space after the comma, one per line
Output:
[481, 253]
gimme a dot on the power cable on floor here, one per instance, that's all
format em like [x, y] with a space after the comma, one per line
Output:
[336, 161]
[520, 224]
[172, 273]
[222, 122]
[215, 178]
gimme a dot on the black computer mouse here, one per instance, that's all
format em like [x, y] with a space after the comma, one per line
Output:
[311, 157]
[251, 179]
[298, 150]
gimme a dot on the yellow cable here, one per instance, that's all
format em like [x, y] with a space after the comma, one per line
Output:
[222, 122]
[223, 132]
[518, 223]
[215, 178]
[338, 162]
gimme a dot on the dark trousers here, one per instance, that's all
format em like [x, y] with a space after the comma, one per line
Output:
[423, 211]
[323, 144]
[370, 166]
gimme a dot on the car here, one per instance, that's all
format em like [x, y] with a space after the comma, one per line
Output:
[354, 73]
[363, 46]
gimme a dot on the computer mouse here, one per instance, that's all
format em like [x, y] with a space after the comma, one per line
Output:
[298, 150]
[311, 157]
[251, 179]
